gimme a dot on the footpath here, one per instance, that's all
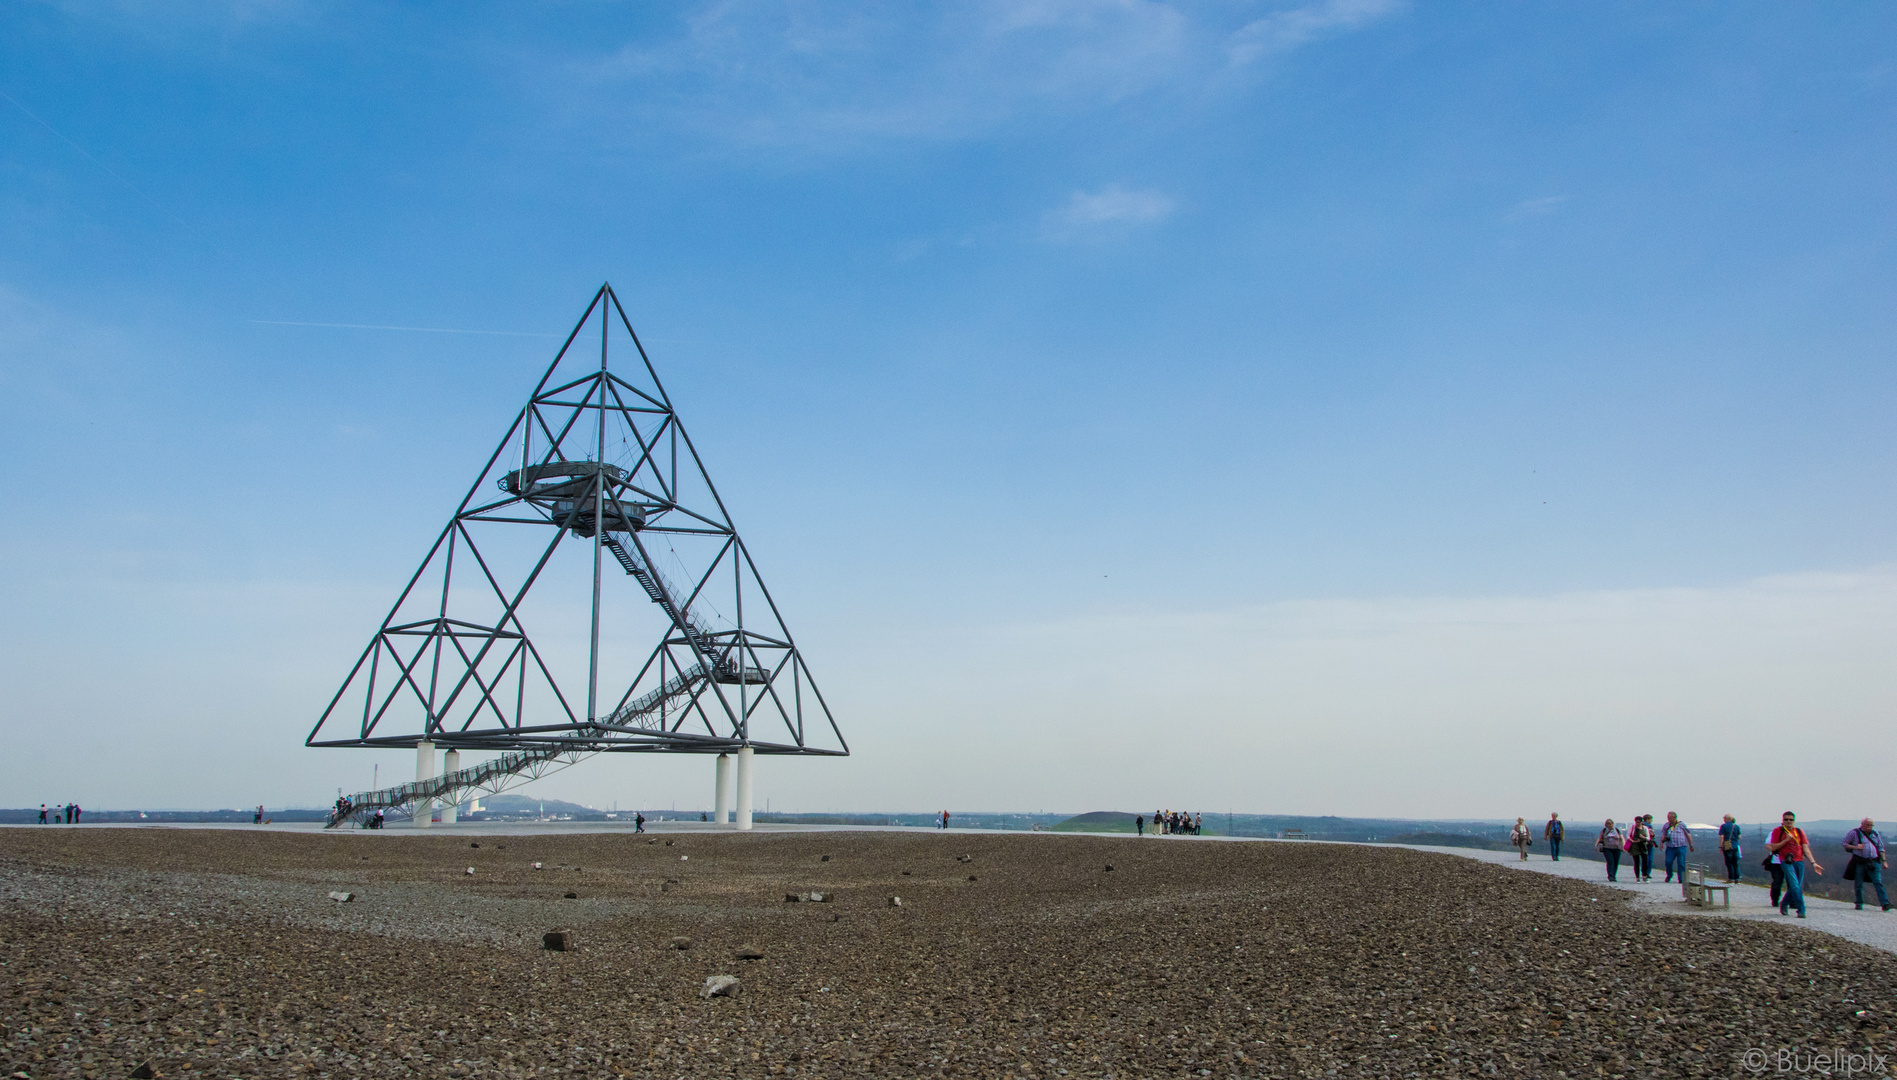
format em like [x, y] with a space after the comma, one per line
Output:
[1872, 926]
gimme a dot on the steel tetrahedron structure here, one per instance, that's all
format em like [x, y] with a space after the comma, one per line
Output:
[590, 594]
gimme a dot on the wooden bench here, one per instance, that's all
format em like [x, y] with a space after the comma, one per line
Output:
[1698, 891]
[1291, 834]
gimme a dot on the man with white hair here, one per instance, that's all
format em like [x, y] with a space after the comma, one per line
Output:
[1678, 840]
[1869, 860]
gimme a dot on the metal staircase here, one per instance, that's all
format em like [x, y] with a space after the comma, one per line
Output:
[724, 668]
[520, 766]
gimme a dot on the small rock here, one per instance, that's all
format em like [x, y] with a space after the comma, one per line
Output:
[470, 871]
[905, 873]
[143, 1072]
[749, 952]
[719, 986]
[895, 901]
[680, 942]
[342, 897]
[826, 858]
[1109, 868]
[971, 877]
[536, 866]
[683, 858]
[818, 897]
[792, 898]
[964, 858]
[474, 845]
[558, 941]
[668, 843]
[572, 896]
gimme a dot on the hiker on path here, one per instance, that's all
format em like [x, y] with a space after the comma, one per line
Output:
[1793, 850]
[1552, 833]
[1640, 846]
[1611, 843]
[1869, 860]
[1677, 839]
[1139, 824]
[1520, 838]
[42, 813]
[1729, 847]
[638, 822]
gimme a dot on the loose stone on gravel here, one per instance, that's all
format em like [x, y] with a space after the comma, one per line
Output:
[557, 941]
[342, 897]
[719, 986]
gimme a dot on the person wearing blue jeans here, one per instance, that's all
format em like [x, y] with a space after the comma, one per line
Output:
[1677, 839]
[1793, 849]
[1552, 832]
[1729, 847]
[1869, 857]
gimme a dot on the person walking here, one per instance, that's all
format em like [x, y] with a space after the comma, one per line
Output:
[1552, 833]
[1729, 847]
[1640, 846]
[1793, 849]
[1611, 843]
[1677, 840]
[1139, 824]
[638, 822]
[1869, 860]
[1519, 837]
[42, 813]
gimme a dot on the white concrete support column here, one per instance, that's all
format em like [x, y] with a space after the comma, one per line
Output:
[721, 788]
[424, 809]
[744, 787]
[451, 809]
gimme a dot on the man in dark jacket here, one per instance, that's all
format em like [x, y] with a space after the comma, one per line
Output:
[1869, 860]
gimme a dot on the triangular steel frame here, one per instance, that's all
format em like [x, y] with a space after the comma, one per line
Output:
[453, 663]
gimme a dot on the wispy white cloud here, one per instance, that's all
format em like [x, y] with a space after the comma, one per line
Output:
[1282, 31]
[794, 73]
[1534, 208]
[1112, 205]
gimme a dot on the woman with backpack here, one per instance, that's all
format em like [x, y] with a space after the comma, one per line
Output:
[1611, 843]
[1519, 837]
[1729, 847]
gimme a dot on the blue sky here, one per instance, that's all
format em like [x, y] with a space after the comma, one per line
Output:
[1284, 406]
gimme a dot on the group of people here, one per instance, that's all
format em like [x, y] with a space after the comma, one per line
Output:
[343, 808]
[70, 812]
[1639, 840]
[1169, 823]
[1788, 853]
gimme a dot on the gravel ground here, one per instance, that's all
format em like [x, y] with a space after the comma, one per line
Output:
[219, 954]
